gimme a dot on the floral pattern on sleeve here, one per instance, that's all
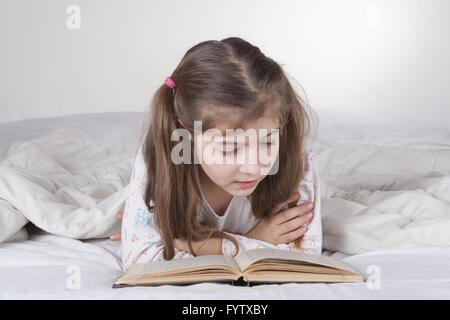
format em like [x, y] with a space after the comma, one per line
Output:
[141, 241]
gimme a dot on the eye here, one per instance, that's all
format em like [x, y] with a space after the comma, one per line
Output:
[268, 143]
[265, 143]
[229, 151]
[226, 148]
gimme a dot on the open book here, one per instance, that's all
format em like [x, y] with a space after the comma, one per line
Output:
[264, 265]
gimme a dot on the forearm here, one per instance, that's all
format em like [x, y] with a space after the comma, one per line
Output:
[311, 244]
[248, 243]
[202, 247]
[210, 246]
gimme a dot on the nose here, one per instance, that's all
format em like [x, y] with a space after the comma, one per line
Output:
[250, 169]
[251, 166]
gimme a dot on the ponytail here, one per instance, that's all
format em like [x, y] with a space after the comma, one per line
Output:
[169, 185]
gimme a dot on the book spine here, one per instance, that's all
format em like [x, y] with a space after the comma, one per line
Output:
[240, 282]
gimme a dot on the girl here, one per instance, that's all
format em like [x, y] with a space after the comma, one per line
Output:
[185, 209]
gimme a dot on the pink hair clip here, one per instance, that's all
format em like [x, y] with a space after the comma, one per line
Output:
[170, 82]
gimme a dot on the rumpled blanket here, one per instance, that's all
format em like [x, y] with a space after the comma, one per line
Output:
[66, 182]
[385, 193]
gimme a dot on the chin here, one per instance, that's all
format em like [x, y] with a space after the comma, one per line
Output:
[237, 192]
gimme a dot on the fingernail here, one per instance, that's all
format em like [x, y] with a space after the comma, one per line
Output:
[310, 205]
[309, 215]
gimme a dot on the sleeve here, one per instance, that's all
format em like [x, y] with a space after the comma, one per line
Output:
[141, 241]
[309, 189]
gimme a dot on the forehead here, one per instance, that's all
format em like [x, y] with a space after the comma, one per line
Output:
[226, 131]
[267, 113]
[261, 123]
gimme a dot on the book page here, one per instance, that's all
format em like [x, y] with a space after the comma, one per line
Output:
[247, 258]
[174, 265]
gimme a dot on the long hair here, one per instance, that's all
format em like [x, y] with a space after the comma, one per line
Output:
[228, 80]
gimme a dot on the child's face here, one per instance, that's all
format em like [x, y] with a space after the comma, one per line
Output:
[240, 176]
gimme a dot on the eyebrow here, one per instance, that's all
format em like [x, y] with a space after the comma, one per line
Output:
[217, 139]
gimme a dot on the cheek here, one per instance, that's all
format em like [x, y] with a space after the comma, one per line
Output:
[273, 153]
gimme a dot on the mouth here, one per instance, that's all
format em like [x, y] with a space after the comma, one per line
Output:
[246, 184]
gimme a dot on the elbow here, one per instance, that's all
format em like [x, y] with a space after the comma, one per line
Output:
[144, 254]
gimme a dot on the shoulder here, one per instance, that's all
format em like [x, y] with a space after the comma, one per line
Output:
[308, 163]
[139, 170]
[308, 181]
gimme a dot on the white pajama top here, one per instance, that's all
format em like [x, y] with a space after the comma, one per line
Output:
[141, 241]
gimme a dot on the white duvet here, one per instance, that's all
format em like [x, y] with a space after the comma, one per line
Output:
[387, 182]
[384, 185]
[66, 182]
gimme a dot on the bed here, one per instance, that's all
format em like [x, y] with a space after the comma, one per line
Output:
[385, 206]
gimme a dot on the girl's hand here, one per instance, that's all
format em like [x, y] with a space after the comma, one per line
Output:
[117, 236]
[283, 226]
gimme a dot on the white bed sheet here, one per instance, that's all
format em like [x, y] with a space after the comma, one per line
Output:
[37, 268]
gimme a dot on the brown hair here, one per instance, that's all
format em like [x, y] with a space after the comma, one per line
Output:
[215, 81]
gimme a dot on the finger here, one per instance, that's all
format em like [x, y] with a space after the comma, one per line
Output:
[293, 212]
[295, 223]
[119, 215]
[293, 235]
[116, 236]
[294, 197]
